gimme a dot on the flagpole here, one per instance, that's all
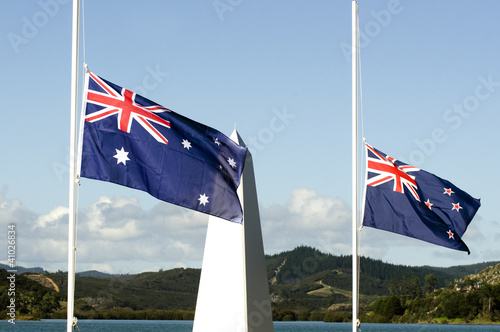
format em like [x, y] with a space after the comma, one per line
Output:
[72, 169]
[354, 166]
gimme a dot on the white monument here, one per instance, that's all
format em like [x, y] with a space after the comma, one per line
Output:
[234, 295]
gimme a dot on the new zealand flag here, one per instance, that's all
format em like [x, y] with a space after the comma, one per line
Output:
[410, 201]
[134, 142]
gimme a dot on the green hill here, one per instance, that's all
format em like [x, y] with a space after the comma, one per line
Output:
[490, 276]
[471, 299]
[295, 274]
[165, 290]
[31, 299]
[302, 280]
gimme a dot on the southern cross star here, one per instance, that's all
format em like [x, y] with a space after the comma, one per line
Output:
[448, 191]
[203, 199]
[231, 162]
[186, 144]
[429, 204]
[121, 156]
[456, 206]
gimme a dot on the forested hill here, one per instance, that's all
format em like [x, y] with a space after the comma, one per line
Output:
[302, 278]
[304, 262]
[27, 297]
[305, 276]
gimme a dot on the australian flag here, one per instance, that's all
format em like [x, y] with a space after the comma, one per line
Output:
[410, 201]
[134, 142]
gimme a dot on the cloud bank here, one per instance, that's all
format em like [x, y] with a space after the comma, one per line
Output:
[118, 235]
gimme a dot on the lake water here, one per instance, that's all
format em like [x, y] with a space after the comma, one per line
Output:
[54, 325]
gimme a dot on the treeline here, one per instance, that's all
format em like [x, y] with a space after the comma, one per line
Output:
[304, 262]
[128, 313]
[469, 301]
[30, 298]
[301, 263]
[174, 289]
[153, 314]
[297, 315]
[304, 284]
[342, 315]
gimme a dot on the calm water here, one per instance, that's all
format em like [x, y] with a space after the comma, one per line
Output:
[187, 326]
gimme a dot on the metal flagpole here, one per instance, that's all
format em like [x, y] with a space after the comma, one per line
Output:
[354, 166]
[72, 169]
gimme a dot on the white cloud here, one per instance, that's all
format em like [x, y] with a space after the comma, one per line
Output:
[52, 218]
[115, 233]
[118, 235]
[113, 218]
[119, 232]
[307, 219]
[12, 211]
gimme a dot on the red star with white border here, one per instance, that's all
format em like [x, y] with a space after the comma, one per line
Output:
[456, 206]
[448, 191]
[451, 235]
[429, 204]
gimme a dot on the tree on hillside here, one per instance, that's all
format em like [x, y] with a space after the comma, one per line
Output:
[407, 288]
[388, 307]
[431, 281]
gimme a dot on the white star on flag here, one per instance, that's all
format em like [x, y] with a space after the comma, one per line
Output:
[231, 162]
[186, 144]
[121, 156]
[216, 141]
[203, 199]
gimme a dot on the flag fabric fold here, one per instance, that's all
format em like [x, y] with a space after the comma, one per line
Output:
[132, 141]
[410, 201]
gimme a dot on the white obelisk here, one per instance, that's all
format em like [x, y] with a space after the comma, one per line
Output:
[234, 294]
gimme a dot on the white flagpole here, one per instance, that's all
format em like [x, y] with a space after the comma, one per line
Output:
[354, 166]
[72, 169]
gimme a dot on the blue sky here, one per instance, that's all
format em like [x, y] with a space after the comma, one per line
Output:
[280, 72]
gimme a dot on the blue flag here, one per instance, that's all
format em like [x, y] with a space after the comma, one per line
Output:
[134, 142]
[410, 201]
